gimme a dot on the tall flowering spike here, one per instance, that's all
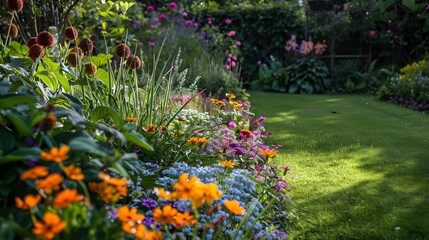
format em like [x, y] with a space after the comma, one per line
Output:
[133, 62]
[90, 69]
[36, 51]
[15, 5]
[46, 39]
[12, 30]
[49, 227]
[71, 33]
[73, 59]
[123, 50]
[86, 45]
[31, 41]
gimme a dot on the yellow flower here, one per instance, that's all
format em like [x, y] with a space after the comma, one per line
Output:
[56, 154]
[50, 183]
[49, 227]
[35, 172]
[234, 207]
[227, 163]
[28, 202]
[74, 173]
[267, 152]
[236, 104]
[211, 193]
[66, 197]
[230, 95]
[166, 215]
[218, 102]
[196, 140]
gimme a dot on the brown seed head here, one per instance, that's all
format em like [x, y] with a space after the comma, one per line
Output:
[31, 41]
[133, 62]
[12, 30]
[71, 33]
[73, 59]
[48, 122]
[36, 51]
[79, 51]
[122, 50]
[15, 5]
[45, 39]
[86, 45]
[90, 69]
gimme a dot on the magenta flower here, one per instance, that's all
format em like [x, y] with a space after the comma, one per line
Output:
[189, 23]
[231, 34]
[230, 55]
[228, 21]
[162, 17]
[152, 44]
[231, 125]
[238, 43]
[184, 14]
[209, 21]
[172, 6]
[233, 64]
[152, 26]
[228, 67]
[150, 8]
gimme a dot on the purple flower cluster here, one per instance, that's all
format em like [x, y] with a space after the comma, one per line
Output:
[419, 106]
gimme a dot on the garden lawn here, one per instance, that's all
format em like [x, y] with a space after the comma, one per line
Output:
[360, 166]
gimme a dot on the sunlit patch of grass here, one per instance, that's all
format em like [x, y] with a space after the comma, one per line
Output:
[360, 166]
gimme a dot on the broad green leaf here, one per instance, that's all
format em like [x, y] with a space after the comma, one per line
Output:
[138, 139]
[64, 82]
[104, 76]
[410, 4]
[102, 112]
[47, 79]
[7, 139]
[107, 129]
[87, 145]
[10, 99]
[19, 124]
[21, 154]
[117, 167]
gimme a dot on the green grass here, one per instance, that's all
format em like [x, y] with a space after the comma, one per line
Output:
[361, 166]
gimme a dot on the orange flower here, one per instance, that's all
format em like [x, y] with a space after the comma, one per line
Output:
[166, 215]
[139, 230]
[163, 194]
[202, 140]
[66, 197]
[56, 154]
[227, 163]
[35, 172]
[29, 201]
[267, 152]
[245, 133]
[131, 119]
[50, 183]
[150, 128]
[184, 219]
[211, 193]
[218, 102]
[188, 188]
[154, 236]
[230, 95]
[163, 128]
[195, 140]
[234, 207]
[49, 227]
[236, 104]
[110, 189]
[48, 122]
[129, 216]
[73, 172]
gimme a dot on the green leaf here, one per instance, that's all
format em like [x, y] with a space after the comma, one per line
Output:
[11, 99]
[410, 4]
[23, 129]
[47, 79]
[117, 167]
[101, 59]
[138, 139]
[107, 129]
[7, 139]
[87, 145]
[21, 154]
[293, 88]
[64, 82]
[103, 76]
[102, 112]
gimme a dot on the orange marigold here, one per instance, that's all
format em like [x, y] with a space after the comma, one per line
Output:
[166, 215]
[163, 194]
[49, 227]
[28, 202]
[110, 189]
[267, 152]
[131, 119]
[150, 128]
[35, 172]
[234, 207]
[227, 163]
[56, 154]
[188, 188]
[184, 219]
[218, 102]
[74, 173]
[50, 183]
[129, 215]
[67, 197]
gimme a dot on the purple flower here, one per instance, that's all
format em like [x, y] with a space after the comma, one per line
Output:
[189, 23]
[148, 221]
[231, 125]
[258, 168]
[150, 8]
[261, 118]
[233, 64]
[162, 17]
[172, 6]
[184, 14]
[149, 203]
[31, 162]
[228, 21]
[234, 145]
[280, 234]
[137, 22]
[152, 44]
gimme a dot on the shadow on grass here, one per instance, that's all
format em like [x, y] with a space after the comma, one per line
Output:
[371, 157]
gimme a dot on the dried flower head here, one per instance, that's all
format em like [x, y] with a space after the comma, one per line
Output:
[11, 30]
[90, 69]
[48, 122]
[71, 33]
[86, 45]
[122, 50]
[15, 5]
[36, 51]
[45, 39]
[133, 62]
[31, 41]
[79, 51]
[73, 59]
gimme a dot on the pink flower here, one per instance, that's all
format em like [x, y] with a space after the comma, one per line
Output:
[228, 21]
[150, 8]
[152, 44]
[238, 43]
[234, 58]
[230, 55]
[231, 34]
[189, 23]
[162, 17]
[209, 21]
[320, 48]
[345, 7]
[232, 125]
[228, 67]
[172, 6]
[233, 64]
[184, 14]
[152, 26]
